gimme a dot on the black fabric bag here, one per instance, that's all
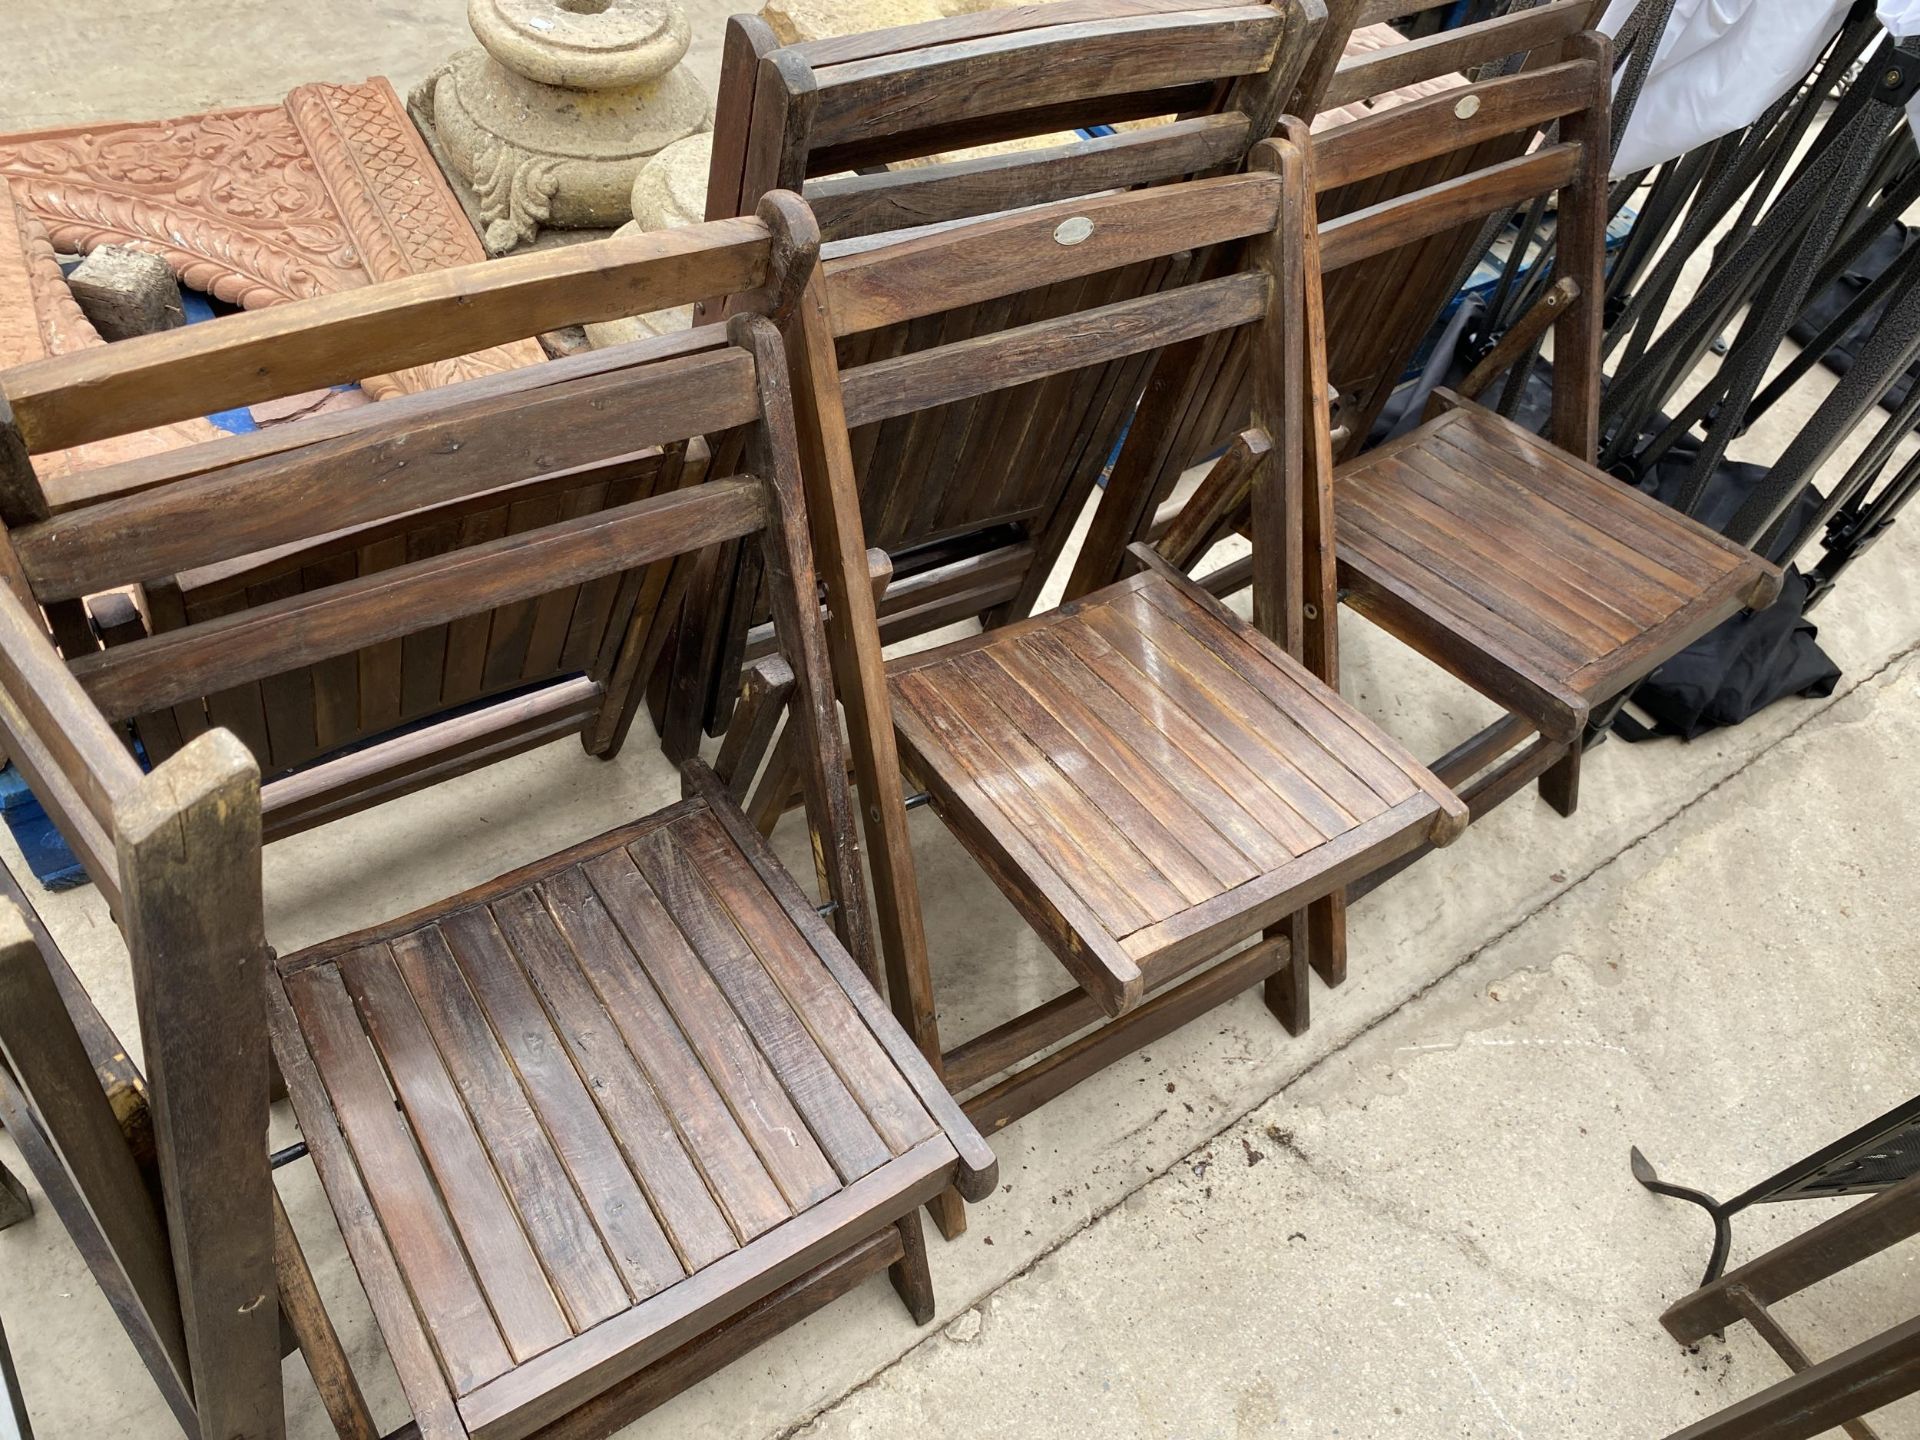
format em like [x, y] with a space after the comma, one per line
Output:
[1734, 671]
[1752, 659]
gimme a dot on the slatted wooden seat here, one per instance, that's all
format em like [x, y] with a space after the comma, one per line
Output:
[1191, 87]
[1148, 778]
[1533, 576]
[588, 1131]
[638, 1088]
[1094, 802]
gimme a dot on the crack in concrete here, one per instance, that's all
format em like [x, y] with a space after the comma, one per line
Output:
[1166, 1174]
[1383, 1207]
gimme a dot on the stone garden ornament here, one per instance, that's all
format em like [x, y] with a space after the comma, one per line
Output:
[552, 117]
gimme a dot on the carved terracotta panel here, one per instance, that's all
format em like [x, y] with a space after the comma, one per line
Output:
[330, 190]
[38, 318]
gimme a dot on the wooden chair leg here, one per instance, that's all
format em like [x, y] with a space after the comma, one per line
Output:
[188, 843]
[764, 690]
[313, 1328]
[949, 1212]
[779, 782]
[1327, 937]
[910, 1274]
[13, 1405]
[15, 1204]
[1560, 786]
[1286, 990]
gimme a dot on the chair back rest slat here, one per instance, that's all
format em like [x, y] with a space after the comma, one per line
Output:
[302, 629]
[1438, 125]
[855, 205]
[945, 89]
[384, 469]
[100, 483]
[258, 355]
[1408, 219]
[927, 274]
[1019, 356]
[982, 24]
[1359, 77]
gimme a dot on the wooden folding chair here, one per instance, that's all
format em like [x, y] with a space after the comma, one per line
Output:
[1148, 778]
[588, 1128]
[1378, 311]
[1003, 90]
[1511, 562]
[335, 735]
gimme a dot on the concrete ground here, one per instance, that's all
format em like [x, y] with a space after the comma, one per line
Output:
[1415, 1221]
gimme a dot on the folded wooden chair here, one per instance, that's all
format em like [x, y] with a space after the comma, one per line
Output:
[1150, 780]
[577, 1119]
[1509, 560]
[1204, 82]
[336, 734]
[1378, 310]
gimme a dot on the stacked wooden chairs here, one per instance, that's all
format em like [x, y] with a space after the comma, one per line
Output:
[590, 1126]
[1378, 310]
[1191, 88]
[598, 1124]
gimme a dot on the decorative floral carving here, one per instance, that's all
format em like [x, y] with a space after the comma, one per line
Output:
[39, 317]
[516, 192]
[330, 191]
[231, 199]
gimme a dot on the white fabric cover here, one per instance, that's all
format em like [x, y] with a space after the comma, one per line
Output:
[1719, 65]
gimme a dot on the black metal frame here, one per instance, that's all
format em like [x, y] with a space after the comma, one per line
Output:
[1831, 1171]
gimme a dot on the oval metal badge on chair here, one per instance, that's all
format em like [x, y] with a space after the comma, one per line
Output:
[1073, 231]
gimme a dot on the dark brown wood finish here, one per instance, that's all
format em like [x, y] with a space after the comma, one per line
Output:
[1148, 778]
[705, 1084]
[377, 510]
[638, 1103]
[1534, 578]
[1512, 563]
[55, 1111]
[905, 107]
[1376, 313]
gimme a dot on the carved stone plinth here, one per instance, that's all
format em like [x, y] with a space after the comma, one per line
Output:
[553, 117]
[330, 190]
